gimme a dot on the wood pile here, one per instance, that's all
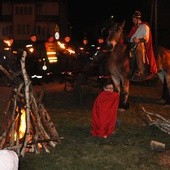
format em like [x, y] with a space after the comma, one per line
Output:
[28, 127]
[159, 121]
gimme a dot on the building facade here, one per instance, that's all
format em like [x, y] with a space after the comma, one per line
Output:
[20, 18]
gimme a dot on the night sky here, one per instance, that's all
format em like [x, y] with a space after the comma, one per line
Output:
[87, 19]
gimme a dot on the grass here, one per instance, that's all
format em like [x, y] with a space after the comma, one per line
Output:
[128, 149]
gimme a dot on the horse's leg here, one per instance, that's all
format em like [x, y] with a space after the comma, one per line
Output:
[124, 94]
[165, 78]
[161, 76]
[125, 87]
[116, 83]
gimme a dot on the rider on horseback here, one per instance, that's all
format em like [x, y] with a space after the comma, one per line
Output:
[141, 46]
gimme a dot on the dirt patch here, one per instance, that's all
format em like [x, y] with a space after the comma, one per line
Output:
[164, 158]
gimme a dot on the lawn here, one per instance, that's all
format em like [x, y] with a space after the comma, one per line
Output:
[128, 149]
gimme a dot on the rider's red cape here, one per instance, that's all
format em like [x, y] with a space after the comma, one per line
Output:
[149, 49]
[104, 114]
[150, 55]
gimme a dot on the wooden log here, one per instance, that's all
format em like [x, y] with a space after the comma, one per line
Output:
[27, 102]
[13, 120]
[11, 75]
[48, 122]
[6, 72]
[14, 147]
[158, 146]
[159, 121]
[38, 118]
[39, 108]
[18, 90]
[156, 115]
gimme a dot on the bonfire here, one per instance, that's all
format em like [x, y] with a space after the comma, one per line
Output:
[28, 127]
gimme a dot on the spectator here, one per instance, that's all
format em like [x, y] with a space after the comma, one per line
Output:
[10, 59]
[8, 160]
[34, 60]
[103, 54]
[84, 53]
[67, 55]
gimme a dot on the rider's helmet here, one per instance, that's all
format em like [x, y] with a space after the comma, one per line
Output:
[137, 14]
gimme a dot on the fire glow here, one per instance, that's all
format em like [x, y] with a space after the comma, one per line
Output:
[22, 126]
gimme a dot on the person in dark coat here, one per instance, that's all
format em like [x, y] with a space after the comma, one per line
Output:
[84, 52]
[103, 54]
[34, 60]
[9, 55]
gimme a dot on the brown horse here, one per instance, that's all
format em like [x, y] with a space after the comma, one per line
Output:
[163, 64]
[119, 64]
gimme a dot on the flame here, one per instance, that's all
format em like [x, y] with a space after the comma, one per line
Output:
[39, 145]
[81, 48]
[31, 50]
[66, 50]
[7, 42]
[70, 51]
[61, 45]
[22, 126]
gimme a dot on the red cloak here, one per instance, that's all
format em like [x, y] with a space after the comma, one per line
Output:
[150, 55]
[104, 114]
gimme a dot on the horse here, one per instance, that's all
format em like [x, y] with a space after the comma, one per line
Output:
[163, 64]
[120, 69]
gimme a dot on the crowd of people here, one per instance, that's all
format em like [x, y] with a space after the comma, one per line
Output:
[52, 57]
[55, 57]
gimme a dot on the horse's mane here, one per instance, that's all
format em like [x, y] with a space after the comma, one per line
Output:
[118, 33]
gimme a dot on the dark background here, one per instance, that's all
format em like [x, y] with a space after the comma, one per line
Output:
[87, 19]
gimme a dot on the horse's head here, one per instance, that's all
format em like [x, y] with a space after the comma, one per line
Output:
[115, 33]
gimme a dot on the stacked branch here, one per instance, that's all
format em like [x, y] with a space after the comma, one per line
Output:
[25, 108]
[157, 120]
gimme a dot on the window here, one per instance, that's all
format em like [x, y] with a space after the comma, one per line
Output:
[19, 29]
[30, 10]
[39, 29]
[17, 10]
[7, 30]
[25, 10]
[28, 29]
[23, 29]
[3, 31]
[10, 29]
[21, 10]
[43, 31]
